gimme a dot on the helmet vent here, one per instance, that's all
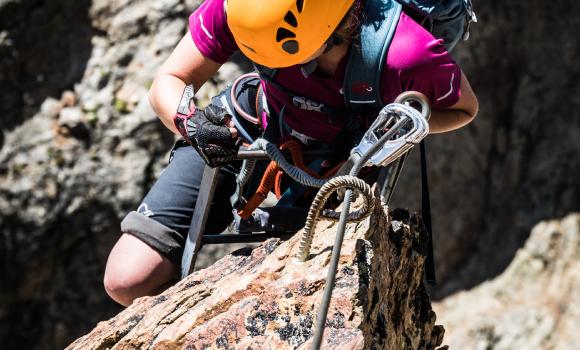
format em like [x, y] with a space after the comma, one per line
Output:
[299, 5]
[291, 46]
[284, 33]
[291, 19]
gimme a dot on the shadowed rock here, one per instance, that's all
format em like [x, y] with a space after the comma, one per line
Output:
[534, 304]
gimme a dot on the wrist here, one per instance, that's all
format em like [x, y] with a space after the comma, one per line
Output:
[185, 110]
[180, 122]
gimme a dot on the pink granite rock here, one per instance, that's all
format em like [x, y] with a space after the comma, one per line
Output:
[264, 299]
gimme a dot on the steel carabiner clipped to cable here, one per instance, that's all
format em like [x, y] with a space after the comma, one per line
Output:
[410, 127]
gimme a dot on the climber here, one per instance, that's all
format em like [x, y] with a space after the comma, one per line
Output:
[301, 49]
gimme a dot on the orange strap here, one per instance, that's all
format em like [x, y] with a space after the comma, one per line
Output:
[262, 192]
[273, 178]
[296, 151]
[268, 179]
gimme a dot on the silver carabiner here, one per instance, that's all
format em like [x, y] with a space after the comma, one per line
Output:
[471, 18]
[410, 124]
[470, 11]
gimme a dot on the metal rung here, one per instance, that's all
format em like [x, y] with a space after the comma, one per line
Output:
[243, 238]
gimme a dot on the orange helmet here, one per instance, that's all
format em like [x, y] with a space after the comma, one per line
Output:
[282, 33]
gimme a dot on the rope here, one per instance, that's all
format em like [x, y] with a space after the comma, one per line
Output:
[261, 193]
[276, 155]
[273, 176]
[302, 176]
[270, 178]
[332, 172]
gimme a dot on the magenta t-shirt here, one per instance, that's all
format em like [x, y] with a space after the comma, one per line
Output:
[415, 61]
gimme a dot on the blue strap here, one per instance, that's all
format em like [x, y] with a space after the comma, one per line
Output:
[362, 80]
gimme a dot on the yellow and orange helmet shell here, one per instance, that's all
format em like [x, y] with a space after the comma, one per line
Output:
[282, 33]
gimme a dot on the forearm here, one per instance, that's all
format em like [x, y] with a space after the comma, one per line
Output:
[448, 119]
[164, 97]
[186, 65]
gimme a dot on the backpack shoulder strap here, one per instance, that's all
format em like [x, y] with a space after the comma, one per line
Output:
[367, 57]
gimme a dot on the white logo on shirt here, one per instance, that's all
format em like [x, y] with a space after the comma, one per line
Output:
[204, 28]
[450, 87]
[307, 104]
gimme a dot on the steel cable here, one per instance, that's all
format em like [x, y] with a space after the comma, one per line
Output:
[316, 209]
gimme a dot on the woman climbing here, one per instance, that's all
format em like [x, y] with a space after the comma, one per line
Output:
[301, 48]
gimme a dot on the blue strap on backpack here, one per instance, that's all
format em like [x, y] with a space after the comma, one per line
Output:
[367, 56]
[445, 19]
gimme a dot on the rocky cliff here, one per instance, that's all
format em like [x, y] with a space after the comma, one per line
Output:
[79, 147]
[519, 162]
[534, 304]
[264, 299]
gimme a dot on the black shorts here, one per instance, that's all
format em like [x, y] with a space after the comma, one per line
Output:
[163, 218]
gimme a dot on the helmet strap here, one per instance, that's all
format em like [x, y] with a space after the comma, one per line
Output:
[308, 68]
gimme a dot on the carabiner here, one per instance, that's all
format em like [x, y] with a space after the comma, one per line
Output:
[409, 133]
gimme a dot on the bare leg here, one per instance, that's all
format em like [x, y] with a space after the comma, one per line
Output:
[134, 269]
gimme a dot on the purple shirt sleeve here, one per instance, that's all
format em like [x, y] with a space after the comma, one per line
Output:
[209, 30]
[417, 61]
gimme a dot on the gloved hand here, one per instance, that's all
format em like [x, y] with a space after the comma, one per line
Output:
[206, 131]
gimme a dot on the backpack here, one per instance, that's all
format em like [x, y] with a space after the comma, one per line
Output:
[445, 19]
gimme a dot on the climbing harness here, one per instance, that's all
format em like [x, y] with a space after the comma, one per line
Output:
[273, 177]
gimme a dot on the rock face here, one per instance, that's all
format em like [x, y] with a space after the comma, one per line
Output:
[44, 47]
[262, 299]
[534, 304]
[81, 148]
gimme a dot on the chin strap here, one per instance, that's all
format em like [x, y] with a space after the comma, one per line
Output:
[308, 68]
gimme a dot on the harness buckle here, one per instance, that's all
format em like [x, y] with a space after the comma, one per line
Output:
[304, 139]
[471, 18]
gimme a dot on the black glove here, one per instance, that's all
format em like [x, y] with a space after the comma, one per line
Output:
[205, 130]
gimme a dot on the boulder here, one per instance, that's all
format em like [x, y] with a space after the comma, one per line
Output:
[263, 298]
